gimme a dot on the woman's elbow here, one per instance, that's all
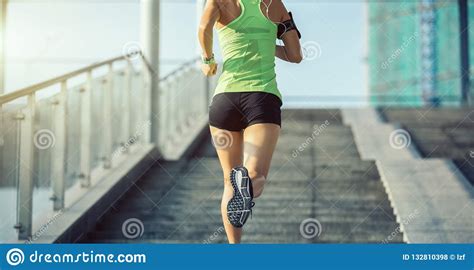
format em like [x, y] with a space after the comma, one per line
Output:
[296, 58]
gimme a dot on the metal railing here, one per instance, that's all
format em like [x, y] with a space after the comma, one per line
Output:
[58, 143]
[185, 98]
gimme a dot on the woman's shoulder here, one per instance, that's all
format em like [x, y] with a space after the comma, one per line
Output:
[278, 10]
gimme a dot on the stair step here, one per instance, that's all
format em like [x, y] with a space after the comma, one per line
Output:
[316, 172]
[197, 230]
[274, 190]
[219, 237]
[303, 201]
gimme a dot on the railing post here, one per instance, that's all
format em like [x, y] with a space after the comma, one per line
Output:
[174, 90]
[175, 107]
[126, 103]
[140, 92]
[59, 150]
[86, 123]
[107, 117]
[26, 168]
[134, 109]
[147, 84]
[166, 123]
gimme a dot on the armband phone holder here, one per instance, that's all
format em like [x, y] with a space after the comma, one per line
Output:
[287, 26]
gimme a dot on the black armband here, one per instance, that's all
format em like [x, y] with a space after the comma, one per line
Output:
[287, 26]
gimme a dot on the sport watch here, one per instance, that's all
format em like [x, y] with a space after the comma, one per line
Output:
[208, 61]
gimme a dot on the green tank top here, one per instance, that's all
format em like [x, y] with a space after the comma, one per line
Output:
[248, 48]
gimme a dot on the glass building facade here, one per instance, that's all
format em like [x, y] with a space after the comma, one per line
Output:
[414, 52]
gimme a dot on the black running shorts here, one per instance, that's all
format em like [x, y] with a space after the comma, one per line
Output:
[237, 111]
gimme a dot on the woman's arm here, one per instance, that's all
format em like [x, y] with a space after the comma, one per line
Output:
[210, 16]
[291, 52]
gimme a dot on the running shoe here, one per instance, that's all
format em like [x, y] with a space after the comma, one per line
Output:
[240, 206]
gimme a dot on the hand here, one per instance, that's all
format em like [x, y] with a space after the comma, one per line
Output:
[209, 69]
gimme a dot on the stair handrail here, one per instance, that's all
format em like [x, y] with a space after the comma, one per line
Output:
[5, 98]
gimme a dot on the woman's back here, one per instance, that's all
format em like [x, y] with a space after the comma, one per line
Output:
[247, 39]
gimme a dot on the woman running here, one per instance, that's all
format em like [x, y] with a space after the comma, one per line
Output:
[245, 110]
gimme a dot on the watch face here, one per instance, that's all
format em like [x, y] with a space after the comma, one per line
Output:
[207, 59]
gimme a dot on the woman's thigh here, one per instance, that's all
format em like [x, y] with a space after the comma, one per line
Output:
[259, 144]
[229, 148]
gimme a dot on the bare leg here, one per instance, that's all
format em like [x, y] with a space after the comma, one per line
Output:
[229, 147]
[259, 144]
[260, 141]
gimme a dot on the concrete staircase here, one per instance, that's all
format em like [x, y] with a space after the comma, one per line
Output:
[440, 133]
[431, 198]
[316, 173]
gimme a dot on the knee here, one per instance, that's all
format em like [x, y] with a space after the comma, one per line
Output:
[258, 182]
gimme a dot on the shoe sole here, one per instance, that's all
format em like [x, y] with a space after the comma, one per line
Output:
[238, 208]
